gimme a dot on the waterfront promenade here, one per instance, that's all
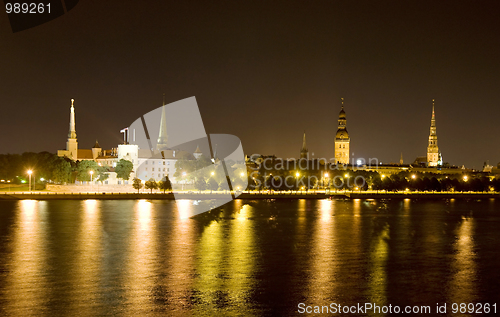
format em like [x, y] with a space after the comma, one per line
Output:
[45, 195]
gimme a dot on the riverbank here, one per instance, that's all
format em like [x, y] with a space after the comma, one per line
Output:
[247, 195]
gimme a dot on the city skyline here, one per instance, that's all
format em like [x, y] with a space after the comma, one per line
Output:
[277, 70]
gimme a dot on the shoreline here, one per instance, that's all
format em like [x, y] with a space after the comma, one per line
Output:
[246, 196]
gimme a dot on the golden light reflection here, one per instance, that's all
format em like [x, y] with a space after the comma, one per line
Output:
[378, 263]
[463, 287]
[241, 257]
[88, 260]
[142, 257]
[26, 282]
[185, 208]
[179, 252]
[211, 255]
[322, 281]
[326, 208]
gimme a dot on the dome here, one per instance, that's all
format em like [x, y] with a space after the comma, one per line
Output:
[342, 134]
[342, 114]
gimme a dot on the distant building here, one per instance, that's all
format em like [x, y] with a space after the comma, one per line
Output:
[156, 163]
[73, 152]
[342, 140]
[433, 155]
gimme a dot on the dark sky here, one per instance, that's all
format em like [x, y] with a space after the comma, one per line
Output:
[264, 71]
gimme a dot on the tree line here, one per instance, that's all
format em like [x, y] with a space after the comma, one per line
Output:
[52, 168]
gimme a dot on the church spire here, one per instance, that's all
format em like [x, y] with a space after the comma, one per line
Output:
[72, 129]
[433, 149]
[161, 144]
[304, 151]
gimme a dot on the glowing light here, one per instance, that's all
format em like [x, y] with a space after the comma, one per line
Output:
[91, 173]
[414, 176]
[30, 172]
[212, 173]
[359, 162]
[42, 179]
[242, 174]
[346, 175]
[185, 208]
[383, 175]
[466, 178]
[297, 174]
[326, 175]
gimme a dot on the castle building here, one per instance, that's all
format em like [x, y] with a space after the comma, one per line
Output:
[342, 140]
[433, 155]
[304, 152]
[72, 151]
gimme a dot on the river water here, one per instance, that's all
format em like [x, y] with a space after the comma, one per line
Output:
[247, 258]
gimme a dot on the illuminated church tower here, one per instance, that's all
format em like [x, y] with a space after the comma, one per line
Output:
[342, 140]
[433, 155]
[72, 143]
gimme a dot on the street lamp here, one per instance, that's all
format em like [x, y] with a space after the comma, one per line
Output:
[29, 173]
[414, 176]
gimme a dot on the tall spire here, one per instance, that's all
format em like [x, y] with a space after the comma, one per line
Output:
[72, 130]
[161, 144]
[304, 147]
[304, 151]
[432, 148]
[342, 140]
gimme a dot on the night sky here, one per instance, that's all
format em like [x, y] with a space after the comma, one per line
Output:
[264, 71]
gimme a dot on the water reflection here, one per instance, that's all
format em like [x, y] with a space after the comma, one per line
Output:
[324, 257]
[464, 278]
[141, 264]
[88, 260]
[247, 258]
[26, 282]
[379, 253]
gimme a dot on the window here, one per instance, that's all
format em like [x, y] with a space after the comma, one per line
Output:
[146, 162]
[159, 175]
[164, 169]
[153, 169]
[159, 162]
[163, 162]
[168, 170]
[153, 163]
[146, 168]
[168, 163]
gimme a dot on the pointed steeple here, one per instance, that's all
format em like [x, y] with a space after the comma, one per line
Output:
[96, 145]
[304, 151]
[72, 129]
[197, 153]
[161, 144]
[432, 148]
[304, 147]
[401, 159]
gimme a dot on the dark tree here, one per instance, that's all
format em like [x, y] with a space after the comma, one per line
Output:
[151, 184]
[165, 184]
[123, 169]
[137, 184]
